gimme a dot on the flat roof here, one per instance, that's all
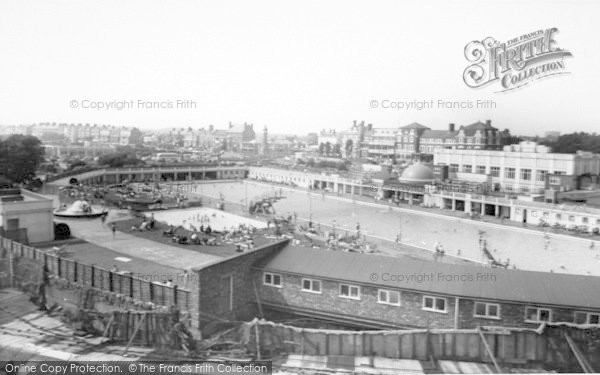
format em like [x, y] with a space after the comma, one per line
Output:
[468, 281]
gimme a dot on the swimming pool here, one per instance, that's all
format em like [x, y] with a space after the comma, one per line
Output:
[218, 220]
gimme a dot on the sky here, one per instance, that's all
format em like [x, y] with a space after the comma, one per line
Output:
[293, 66]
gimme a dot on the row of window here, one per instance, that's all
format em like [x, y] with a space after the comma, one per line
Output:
[431, 303]
[509, 173]
[558, 216]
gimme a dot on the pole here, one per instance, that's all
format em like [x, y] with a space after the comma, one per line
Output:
[489, 351]
[309, 207]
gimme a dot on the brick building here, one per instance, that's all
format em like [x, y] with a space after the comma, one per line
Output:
[372, 291]
[417, 141]
[366, 290]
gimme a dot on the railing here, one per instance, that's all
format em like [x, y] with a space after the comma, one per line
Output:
[99, 278]
[87, 172]
[19, 235]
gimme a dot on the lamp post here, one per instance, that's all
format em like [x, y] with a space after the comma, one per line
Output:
[309, 207]
[245, 194]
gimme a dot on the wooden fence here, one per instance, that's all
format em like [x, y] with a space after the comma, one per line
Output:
[143, 328]
[100, 278]
[547, 347]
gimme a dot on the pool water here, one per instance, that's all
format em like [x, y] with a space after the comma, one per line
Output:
[218, 220]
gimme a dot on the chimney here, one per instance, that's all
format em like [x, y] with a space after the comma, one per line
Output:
[354, 123]
[451, 127]
[488, 122]
[369, 126]
[230, 125]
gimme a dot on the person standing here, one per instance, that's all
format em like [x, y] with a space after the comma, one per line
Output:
[113, 228]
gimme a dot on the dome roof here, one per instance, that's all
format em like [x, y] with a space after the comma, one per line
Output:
[417, 174]
[78, 207]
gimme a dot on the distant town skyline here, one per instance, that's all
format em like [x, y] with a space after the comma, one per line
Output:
[296, 67]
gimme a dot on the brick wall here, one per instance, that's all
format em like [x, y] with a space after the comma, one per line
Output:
[213, 284]
[369, 312]
[367, 309]
[511, 315]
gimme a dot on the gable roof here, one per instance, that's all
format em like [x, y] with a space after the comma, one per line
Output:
[438, 134]
[414, 125]
[527, 287]
[473, 128]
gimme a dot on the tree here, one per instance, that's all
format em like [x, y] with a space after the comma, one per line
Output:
[349, 147]
[327, 148]
[119, 159]
[337, 150]
[571, 143]
[76, 163]
[20, 156]
[321, 148]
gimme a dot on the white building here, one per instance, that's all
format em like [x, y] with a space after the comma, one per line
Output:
[525, 167]
[25, 216]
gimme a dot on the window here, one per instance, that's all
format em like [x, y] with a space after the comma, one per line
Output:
[272, 279]
[541, 175]
[582, 317]
[571, 218]
[584, 220]
[534, 213]
[12, 224]
[537, 314]
[311, 285]
[453, 167]
[495, 171]
[480, 169]
[487, 310]
[509, 173]
[389, 297]
[349, 291]
[525, 174]
[467, 168]
[437, 304]
[558, 217]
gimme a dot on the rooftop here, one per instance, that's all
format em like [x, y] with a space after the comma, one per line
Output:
[414, 125]
[477, 282]
[417, 174]
[439, 134]
[472, 128]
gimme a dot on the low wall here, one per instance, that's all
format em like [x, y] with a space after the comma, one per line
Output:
[28, 263]
[546, 347]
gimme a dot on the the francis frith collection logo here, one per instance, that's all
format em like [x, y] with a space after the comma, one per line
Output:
[514, 63]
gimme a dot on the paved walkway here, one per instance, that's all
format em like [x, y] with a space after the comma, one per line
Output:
[92, 230]
[526, 248]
